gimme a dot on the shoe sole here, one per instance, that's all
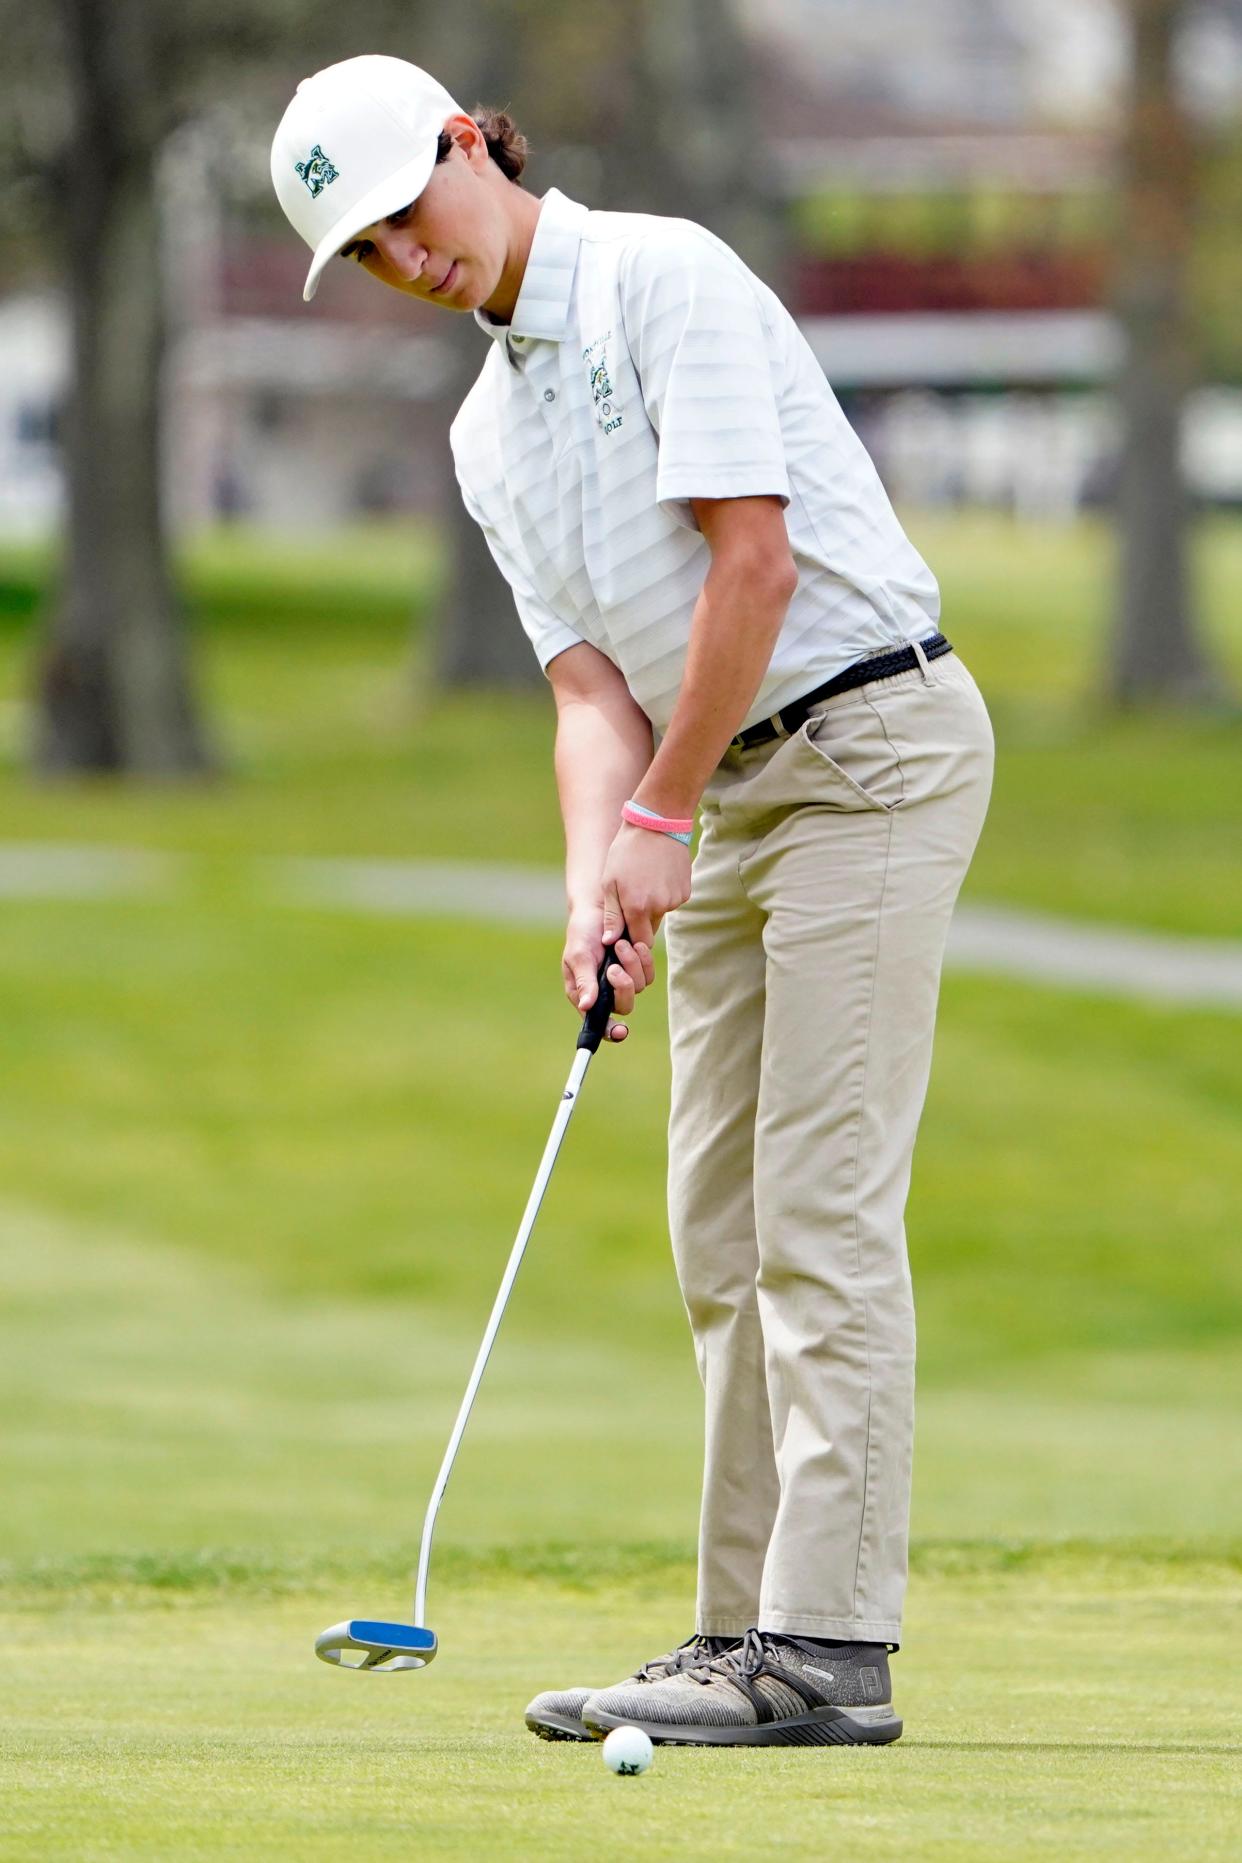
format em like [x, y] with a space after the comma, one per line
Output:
[558, 1727]
[819, 1727]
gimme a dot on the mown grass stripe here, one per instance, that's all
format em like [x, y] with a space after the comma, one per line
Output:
[242, 1571]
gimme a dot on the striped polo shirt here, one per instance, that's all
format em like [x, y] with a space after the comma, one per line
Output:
[644, 366]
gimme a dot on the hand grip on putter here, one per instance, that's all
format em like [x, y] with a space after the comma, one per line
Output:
[595, 1021]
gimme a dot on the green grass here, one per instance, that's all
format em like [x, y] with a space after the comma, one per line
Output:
[153, 1404]
[259, 1169]
[188, 1725]
[328, 1101]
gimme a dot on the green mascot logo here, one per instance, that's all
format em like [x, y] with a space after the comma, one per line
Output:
[316, 171]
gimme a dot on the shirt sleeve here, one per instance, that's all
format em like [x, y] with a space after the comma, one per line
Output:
[547, 633]
[702, 351]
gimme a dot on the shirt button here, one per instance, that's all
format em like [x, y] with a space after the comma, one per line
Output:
[549, 394]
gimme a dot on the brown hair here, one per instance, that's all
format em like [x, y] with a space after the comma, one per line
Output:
[506, 144]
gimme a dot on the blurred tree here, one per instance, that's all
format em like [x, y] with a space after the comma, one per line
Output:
[92, 91]
[1157, 652]
[115, 679]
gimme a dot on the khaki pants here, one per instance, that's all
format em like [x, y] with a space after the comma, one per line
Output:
[802, 978]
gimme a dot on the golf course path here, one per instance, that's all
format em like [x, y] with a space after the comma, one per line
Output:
[1102, 960]
[999, 940]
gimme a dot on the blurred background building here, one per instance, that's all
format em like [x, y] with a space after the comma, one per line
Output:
[949, 217]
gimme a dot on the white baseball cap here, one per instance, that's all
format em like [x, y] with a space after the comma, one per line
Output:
[357, 142]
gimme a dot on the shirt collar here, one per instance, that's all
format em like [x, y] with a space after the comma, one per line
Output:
[542, 308]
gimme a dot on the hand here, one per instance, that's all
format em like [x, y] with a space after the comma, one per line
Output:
[646, 875]
[584, 953]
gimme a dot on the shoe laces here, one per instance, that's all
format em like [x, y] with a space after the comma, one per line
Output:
[688, 1655]
[745, 1660]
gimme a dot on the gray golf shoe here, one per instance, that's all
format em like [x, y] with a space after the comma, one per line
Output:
[557, 1713]
[766, 1691]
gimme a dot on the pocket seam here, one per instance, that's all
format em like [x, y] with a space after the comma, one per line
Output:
[822, 757]
[901, 768]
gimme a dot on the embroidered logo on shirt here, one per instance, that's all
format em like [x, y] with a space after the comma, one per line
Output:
[595, 355]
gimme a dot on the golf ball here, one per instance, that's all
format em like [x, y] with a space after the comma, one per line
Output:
[627, 1751]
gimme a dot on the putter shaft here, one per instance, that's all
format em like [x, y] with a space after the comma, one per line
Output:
[594, 1027]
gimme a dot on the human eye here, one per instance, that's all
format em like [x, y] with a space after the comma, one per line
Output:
[359, 249]
[401, 215]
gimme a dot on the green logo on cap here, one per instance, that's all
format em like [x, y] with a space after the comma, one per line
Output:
[316, 171]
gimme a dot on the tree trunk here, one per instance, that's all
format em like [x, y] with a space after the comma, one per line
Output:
[1156, 651]
[114, 678]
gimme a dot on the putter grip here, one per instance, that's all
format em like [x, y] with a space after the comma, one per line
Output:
[595, 1021]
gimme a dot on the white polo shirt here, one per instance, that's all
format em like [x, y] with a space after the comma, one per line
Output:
[645, 365]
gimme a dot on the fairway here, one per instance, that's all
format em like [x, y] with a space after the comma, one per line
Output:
[261, 1163]
[158, 1409]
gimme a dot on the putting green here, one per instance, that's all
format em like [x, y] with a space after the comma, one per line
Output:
[1074, 1706]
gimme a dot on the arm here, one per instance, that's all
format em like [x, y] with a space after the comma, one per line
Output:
[736, 621]
[603, 746]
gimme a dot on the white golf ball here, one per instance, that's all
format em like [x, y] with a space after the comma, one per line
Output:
[627, 1751]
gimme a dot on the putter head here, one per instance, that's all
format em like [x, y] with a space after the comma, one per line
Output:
[384, 1647]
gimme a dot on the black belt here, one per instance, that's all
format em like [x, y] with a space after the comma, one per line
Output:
[881, 666]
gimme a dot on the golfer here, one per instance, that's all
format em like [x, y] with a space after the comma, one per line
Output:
[736, 628]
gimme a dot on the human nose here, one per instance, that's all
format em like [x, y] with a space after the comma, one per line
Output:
[402, 253]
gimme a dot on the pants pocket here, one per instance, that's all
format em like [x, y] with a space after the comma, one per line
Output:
[849, 745]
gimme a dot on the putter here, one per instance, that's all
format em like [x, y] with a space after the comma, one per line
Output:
[383, 1647]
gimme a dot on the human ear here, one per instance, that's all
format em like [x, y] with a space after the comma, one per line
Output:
[468, 137]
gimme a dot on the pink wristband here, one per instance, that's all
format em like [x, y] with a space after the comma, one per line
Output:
[660, 823]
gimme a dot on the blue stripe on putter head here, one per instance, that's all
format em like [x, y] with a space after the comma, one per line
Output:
[383, 1648]
[375, 1635]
